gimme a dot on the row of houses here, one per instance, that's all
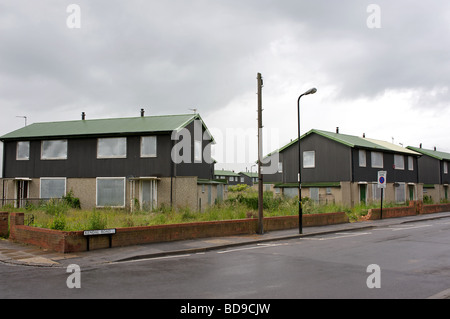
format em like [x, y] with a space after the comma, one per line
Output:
[149, 161]
[343, 168]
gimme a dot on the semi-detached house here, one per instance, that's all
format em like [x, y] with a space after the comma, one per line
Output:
[144, 161]
[434, 173]
[343, 168]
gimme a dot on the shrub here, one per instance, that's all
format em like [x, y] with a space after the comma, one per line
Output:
[237, 188]
[59, 222]
[72, 201]
[97, 221]
[55, 207]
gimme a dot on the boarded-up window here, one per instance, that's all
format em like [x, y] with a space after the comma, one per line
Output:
[309, 159]
[54, 150]
[111, 192]
[377, 159]
[148, 146]
[53, 187]
[23, 151]
[112, 147]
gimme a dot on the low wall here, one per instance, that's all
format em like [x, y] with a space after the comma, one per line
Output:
[391, 212]
[414, 208]
[437, 208]
[4, 226]
[68, 242]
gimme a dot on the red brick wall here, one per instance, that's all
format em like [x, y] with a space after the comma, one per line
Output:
[4, 224]
[75, 241]
[437, 208]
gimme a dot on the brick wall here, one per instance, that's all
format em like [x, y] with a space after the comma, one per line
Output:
[4, 225]
[437, 208]
[67, 242]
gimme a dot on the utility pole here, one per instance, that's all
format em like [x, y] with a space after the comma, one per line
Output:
[260, 157]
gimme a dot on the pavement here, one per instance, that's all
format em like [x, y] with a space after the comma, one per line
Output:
[27, 255]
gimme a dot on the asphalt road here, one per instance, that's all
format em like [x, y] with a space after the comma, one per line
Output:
[413, 260]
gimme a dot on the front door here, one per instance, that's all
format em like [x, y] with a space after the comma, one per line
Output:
[21, 193]
[411, 192]
[362, 193]
[148, 195]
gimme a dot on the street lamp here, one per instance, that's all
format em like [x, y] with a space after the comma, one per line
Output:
[300, 208]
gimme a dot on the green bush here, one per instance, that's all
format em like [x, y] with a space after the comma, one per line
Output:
[55, 207]
[59, 222]
[97, 221]
[72, 201]
[237, 188]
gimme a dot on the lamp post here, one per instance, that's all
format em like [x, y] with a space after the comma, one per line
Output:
[300, 208]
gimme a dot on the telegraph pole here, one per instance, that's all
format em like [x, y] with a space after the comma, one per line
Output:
[260, 157]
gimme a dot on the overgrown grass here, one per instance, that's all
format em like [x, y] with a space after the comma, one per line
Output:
[61, 215]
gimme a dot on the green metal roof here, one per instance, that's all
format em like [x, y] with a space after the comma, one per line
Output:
[350, 140]
[249, 174]
[435, 154]
[353, 141]
[225, 173]
[115, 126]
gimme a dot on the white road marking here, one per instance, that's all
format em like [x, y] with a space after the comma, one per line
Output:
[345, 235]
[412, 227]
[249, 248]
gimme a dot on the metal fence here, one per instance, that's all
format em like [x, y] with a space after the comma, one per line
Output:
[27, 203]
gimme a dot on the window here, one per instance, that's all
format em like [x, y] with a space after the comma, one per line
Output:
[54, 150]
[445, 168]
[314, 193]
[362, 158]
[111, 192]
[376, 192]
[242, 180]
[399, 162]
[115, 147]
[231, 178]
[280, 167]
[52, 188]
[309, 159]
[148, 146]
[400, 193]
[377, 159]
[23, 151]
[198, 151]
[410, 163]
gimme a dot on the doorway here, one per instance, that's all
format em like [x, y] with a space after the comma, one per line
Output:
[363, 193]
[22, 192]
[411, 192]
[148, 195]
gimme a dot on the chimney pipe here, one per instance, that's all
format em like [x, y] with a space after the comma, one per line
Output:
[364, 135]
[420, 145]
[337, 130]
[435, 148]
[83, 116]
[142, 112]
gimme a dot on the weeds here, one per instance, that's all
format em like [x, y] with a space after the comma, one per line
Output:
[240, 205]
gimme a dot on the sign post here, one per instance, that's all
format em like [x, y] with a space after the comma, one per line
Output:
[382, 185]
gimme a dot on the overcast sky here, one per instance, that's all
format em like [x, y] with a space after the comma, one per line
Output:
[381, 70]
